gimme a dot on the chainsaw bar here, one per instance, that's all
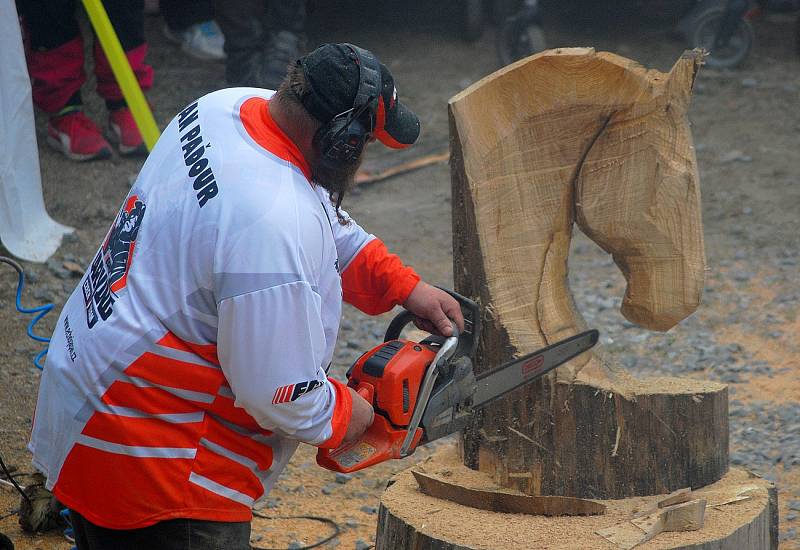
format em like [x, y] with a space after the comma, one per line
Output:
[497, 382]
[454, 400]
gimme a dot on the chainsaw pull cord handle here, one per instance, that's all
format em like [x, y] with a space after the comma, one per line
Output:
[446, 351]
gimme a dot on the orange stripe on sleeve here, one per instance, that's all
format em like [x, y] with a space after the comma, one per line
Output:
[341, 415]
[376, 281]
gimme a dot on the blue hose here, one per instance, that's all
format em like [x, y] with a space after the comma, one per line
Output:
[40, 311]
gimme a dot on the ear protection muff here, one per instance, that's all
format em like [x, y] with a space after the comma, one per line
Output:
[343, 138]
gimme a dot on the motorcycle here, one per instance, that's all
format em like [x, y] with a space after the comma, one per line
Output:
[721, 27]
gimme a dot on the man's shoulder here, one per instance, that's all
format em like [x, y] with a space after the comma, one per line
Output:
[218, 113]
[233, 96]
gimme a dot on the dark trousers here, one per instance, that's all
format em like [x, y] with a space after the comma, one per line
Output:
[182, 14]
[55, 59]
[249, 26]
[174, 534]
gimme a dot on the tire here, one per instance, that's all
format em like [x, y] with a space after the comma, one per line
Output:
[515, 41]
[701, 32]
[473, 19]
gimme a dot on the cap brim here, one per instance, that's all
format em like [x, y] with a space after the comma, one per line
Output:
[399, 129]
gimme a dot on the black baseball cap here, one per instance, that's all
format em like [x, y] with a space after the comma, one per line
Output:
[332, 78]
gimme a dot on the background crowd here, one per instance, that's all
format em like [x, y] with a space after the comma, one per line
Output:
[263, 37]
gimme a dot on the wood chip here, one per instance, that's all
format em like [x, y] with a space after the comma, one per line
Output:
[740, 495]
[676, 497]
[685, 516]
[506, 502]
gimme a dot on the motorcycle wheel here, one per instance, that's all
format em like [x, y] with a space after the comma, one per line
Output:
[702, 33]
[515, 41]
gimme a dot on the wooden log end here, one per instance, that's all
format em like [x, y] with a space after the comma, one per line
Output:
[410, 519]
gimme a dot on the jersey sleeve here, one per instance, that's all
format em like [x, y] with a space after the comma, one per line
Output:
[271, 349]
[373, 280]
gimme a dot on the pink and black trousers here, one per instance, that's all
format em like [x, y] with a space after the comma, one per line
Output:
[56, 52]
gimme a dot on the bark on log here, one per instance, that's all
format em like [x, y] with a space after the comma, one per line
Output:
[564, 137]
[409, 519]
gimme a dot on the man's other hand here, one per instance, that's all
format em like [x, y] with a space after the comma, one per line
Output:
[435, 309]
[360, 418]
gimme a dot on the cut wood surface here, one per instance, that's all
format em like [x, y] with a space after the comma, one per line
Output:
[500, 501]
[568, 137]
[410, 519]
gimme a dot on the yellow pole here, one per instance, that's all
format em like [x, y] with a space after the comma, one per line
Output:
[122, 72]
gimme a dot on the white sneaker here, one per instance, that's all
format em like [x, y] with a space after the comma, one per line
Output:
[203, 40]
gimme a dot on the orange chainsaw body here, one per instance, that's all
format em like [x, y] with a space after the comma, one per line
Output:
[389, 377]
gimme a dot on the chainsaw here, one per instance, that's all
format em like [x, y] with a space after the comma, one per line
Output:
[422, 391]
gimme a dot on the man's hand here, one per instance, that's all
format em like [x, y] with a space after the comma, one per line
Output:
[360, 418]
[435, 309]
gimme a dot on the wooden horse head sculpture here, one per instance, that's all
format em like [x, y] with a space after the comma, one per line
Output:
[570, 137]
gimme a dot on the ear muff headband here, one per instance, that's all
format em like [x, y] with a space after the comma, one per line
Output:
[369, 81]
[343, 138]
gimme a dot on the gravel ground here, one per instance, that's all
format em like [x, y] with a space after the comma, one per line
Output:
[745, 125]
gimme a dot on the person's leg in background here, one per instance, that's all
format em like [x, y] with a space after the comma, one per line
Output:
[261, 38]
[191, 25]
[286, 24]
[241, 23]
[127, 18]
[55, 64]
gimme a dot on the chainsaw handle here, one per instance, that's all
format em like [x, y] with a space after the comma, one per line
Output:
[398, 324]
[381, 442]
[467, 340]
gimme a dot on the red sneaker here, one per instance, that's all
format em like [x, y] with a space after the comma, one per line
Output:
[75, 135]
[124, 132]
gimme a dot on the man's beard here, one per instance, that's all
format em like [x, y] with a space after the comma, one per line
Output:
[337, 179]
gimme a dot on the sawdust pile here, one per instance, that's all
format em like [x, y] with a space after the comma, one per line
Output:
[474, 528]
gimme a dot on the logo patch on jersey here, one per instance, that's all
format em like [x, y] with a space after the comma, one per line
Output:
[108, 273]
[291, 392]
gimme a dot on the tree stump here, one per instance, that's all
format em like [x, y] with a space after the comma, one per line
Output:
[561, 138]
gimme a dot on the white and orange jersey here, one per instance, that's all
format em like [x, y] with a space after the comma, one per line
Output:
[192, 357]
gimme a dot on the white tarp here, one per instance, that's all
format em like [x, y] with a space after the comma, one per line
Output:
[25, 228]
